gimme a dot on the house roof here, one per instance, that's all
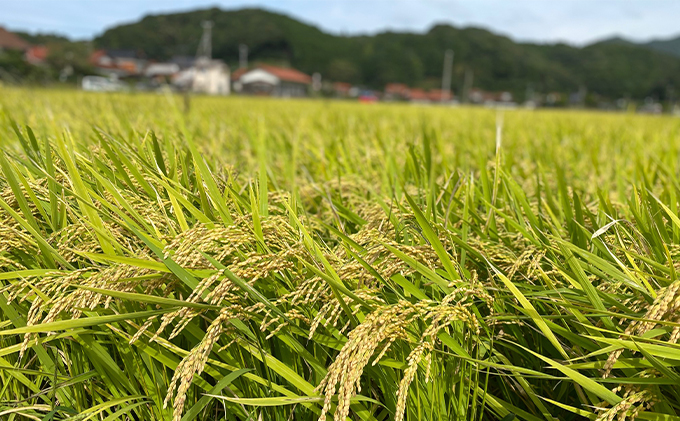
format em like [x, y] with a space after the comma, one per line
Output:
[183, 62]
[258, 75]
[396, 88]
[439, 95]
[37, 54]
[161, 69]
[11, 41]
[96, 55]
[287, 74]
[418, 94]
[236, 74]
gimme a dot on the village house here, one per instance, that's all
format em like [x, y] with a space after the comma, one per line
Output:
[272, 81]
[438, 95]
[396, 92]
[401, 92]
[118, 63]
[36, 54]
[236, 75]
[184, 62]
[418, 95]
[490, 99]
[207, 76]
[161, 72]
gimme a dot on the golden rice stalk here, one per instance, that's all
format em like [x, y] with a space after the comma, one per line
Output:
[384, 323]
[194, 363]
[634, 401]
[665, 307]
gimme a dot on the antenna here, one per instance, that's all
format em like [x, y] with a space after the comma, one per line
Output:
[205, 47]
[446, 76]
[242, 56]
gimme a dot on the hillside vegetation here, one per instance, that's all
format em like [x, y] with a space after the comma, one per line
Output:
[669, 46]
[497, 63]
[265, 260]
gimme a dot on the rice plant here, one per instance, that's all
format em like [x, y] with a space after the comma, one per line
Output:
[258, 259]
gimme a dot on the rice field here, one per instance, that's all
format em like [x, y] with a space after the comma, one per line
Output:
[255, 259]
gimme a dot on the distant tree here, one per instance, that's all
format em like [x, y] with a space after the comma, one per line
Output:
[15, 70]
[72, 55]
[342, 70]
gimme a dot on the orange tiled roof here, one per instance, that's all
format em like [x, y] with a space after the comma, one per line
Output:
[438, 95]
[236, 74]
[287, 74]
[37, 53]
[418, 94]
[396, 88]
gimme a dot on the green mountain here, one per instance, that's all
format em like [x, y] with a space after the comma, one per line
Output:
[669, 46]
[608, 69]
[618, 40]
[41, 38]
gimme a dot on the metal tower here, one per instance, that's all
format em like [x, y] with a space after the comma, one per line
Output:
[205, 47]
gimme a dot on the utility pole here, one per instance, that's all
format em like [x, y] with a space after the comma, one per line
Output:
[446, 76]
[242, 56]
[582, 93]
[467, 84]
[670, 97]
[316, 81]
[529, 95]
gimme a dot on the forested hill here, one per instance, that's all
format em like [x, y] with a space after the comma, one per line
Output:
[495, 62]
[669, 46]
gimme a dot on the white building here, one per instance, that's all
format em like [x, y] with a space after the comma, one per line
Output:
[206, 76]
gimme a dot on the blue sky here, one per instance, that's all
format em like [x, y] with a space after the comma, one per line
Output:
[573, 21]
